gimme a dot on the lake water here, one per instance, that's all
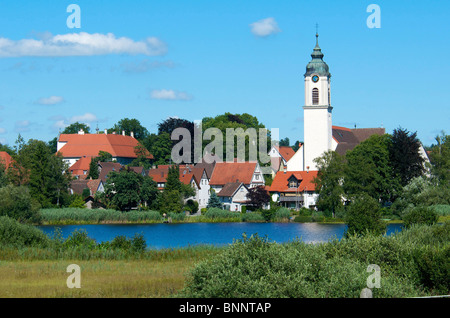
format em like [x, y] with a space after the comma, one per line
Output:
[160, 236]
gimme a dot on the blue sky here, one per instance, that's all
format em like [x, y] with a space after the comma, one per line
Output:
[154, 59]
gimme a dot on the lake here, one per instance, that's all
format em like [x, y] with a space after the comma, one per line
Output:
[159, 236]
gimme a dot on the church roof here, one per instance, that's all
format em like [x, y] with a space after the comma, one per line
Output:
[348, 139]
[317, 65]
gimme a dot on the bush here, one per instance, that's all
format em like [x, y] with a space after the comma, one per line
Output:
[16, 234]
[302, 219]
[257, 268]
[216, 213]
[252, 217]
[282, 214]
[364, 215]
[16, 202]
[441, 209]
[79, 239]
[420, 215]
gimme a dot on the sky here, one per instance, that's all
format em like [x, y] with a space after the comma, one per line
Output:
[155, 59]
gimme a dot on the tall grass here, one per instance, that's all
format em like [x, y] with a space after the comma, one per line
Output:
[77, 215]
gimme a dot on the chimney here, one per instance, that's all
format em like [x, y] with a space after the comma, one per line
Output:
[285, 169]
[106, 131]
[132, 134]
[123, 132]
[81, 132]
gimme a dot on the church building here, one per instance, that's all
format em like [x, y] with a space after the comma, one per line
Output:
[293, 184]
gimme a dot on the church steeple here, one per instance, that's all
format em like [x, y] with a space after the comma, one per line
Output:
[317, 65]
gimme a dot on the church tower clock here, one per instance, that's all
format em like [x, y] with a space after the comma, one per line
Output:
[317, 109]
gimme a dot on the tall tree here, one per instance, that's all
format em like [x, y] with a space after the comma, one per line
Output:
[440, 159]
[76, 127]
[258, 197]
[404, 155]
[368, 170]
[160, 146]
[123, 189]
[130, 125]
[330, 181]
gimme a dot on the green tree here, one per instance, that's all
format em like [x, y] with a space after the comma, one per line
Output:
[45, 173]
[368, 170]
[214, 201]
[160, 146]
[364, 215]
[149, 191]
[3, 176]
[143, 157]
[130, 125]
[103, 156]
[75, 128]
[404, 155]
[284, 142]
[17, 203]
[123, 189]
[440, 159]
[420, 215]
[330, 181]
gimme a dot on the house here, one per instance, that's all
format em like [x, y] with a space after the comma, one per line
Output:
[279, 156]
[76, 146]
[294, 189]
[80, 169]
[94, 186]
[104, 168]
[248, 172]
[233, 196]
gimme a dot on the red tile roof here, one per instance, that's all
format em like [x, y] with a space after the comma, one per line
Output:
[226, 172]
[80, 166]
[286, 152]
[5, 159]
[90, 144]
[281, 184]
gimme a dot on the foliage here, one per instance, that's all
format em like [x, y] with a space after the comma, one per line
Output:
[17, 203]
[329, 181]
[217, 213]
[170, 201]
[282, 214]
[45, 173]
[16, 234]
[103, 156]
[363, 216]
[192, 206]
[404, 156]
[130, 125]
[420, 215]
[258, 197]
[77, 215]
[75, 128]
[160, 146]
[214, 201]
[369, 171]
[252, 217]
[77, 202]
[440, 159]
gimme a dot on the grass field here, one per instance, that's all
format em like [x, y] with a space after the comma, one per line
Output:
[99, 278]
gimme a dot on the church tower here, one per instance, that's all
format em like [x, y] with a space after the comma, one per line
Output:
[317, 109]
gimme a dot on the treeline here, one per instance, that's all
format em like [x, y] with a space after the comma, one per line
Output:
[386, 177]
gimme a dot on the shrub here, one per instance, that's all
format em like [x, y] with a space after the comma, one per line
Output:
[77, 202]
[364, 215]
[302, 219]
[257, 268]
[252, 217]
[216, 213]
[79, 239]
[282, 214]
[441, 209]
[16, 234]
[122, 242]
[138, 243]
[420, 215]
[16, 202]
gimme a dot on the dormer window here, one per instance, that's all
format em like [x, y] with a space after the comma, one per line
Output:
[315, 96]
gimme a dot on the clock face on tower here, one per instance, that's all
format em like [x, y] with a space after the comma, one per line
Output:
[315, 78]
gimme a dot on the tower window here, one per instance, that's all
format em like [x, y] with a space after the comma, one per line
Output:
[315, 96]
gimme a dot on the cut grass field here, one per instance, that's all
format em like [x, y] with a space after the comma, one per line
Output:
[134, 278]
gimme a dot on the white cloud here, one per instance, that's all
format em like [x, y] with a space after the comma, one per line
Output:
[80, 44]
[52, 100]
[86, 118]
[265, 27]
[168, 94]
[22, 126]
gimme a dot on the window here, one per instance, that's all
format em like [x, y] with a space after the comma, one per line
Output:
[315, 96]
[293, 184]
